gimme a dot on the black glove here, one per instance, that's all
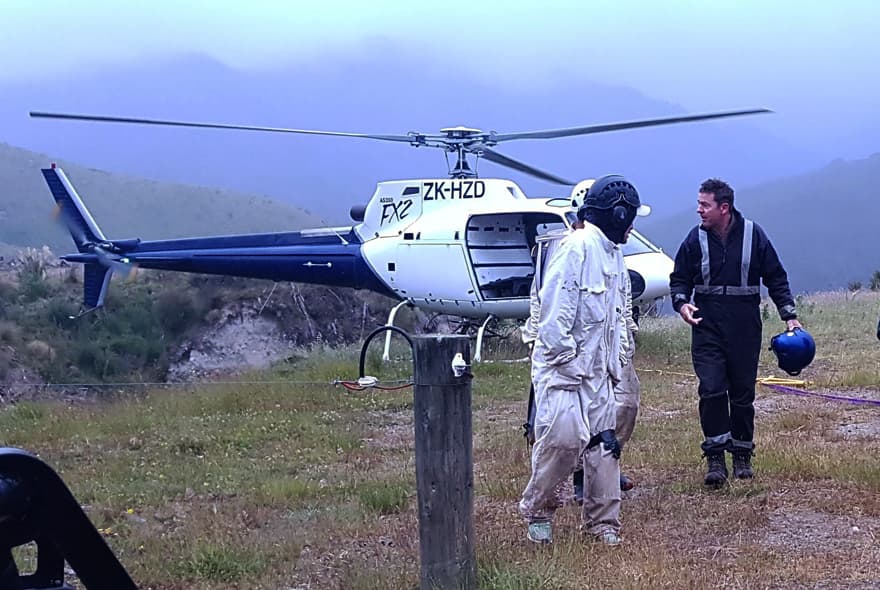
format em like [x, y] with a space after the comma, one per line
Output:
[610, 443]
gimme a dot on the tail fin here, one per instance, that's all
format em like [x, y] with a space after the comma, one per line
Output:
[86, 235]
[96, 279]
[76, 216]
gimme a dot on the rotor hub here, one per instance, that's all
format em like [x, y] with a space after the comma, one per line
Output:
[460, 132]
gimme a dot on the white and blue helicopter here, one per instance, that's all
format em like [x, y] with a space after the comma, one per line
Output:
[460, 245]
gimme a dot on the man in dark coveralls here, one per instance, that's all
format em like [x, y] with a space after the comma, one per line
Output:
[721, 262]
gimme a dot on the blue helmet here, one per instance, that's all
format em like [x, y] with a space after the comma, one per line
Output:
[794, 350]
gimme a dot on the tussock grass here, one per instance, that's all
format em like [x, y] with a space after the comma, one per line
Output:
[282, 492]
[220, 564]
[539, 575]
[383, 497]
[301, 484]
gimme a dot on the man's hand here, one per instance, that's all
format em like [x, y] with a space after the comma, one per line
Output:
[687, 313]
[792, 324]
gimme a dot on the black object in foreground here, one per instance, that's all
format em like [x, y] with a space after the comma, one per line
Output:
[36, 506]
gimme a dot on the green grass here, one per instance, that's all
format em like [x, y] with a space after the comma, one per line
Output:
[297, 485]
[538, 575]
[384, 497]
[220, 564]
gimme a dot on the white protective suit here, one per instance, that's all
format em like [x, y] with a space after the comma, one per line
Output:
[546, 245]
[579, 351]
[628, 392]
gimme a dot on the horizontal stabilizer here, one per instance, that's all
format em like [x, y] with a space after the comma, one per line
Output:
[96, 278]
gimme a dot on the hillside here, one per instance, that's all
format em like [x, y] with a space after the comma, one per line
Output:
[824, 223]
[164, 326]
[127, 206]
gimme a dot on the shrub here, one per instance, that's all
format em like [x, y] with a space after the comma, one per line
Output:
[59, 312]
[32, 287]
[31, 269]
[9, 333]
[177, 311]
[39, 350]
[7, 291]
[6, 361]
[383, 497]
[96, 359]
[875, 281]
[31, 262]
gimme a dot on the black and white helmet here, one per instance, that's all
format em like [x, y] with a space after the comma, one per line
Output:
[610, 191]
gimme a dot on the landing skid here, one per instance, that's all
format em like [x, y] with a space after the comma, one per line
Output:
[386, 354]
[488, 328]
[478, 355]
[441, 323]
[83, 312]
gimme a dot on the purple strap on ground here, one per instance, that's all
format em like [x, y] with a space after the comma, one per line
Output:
[828, 396]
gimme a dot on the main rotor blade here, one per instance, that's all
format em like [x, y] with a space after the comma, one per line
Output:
[106, 119]
[570, 131]
[494, 156]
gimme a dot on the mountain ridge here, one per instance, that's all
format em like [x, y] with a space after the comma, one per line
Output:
[382, 90]
[125, 206]
[823, 223]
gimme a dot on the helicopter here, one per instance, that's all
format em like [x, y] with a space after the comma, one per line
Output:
[460, 245]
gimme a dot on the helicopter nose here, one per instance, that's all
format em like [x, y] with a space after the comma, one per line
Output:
[654, 269]
[637, 283]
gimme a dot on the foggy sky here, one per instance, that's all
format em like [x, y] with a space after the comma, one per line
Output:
[812, 61]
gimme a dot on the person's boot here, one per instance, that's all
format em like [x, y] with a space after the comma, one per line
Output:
[626, 484]
[610, 537]
[540, 532]
[716, 471]
[742, 465]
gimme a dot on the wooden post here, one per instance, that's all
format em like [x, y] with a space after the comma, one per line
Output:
[444, 464]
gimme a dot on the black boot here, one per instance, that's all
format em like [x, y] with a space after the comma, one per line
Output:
[716, 472]
[742, 465]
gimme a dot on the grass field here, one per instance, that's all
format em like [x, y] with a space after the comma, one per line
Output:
[303, 485]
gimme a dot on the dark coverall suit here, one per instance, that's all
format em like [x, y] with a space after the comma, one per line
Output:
[725, 345]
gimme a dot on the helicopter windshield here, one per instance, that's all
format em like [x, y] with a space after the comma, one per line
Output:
[638, 244]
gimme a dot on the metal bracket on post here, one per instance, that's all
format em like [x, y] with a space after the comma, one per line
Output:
[478, 356]
[459, 365]
[386, 355]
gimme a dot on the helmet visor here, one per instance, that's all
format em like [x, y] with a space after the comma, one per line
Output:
[632, 199]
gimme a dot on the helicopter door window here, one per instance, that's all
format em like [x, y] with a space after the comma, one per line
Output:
[499, 246]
